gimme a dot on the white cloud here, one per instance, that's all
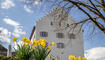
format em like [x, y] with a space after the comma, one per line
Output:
[7, 4]
[97, 53]
[10, 22]
[28, 9]
[36, 2]
[4, 35]
[18, 30]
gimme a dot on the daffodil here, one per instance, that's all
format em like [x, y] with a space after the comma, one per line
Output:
[49, 47]
[53, 43]
[25, 44]
[24, 39]
[84, 58]
[34, 40]
[79, 58]
[38, 42]
[49, 56]
[43, 44]
[76, 58]
[71, 57]
[35, 43]
[28, 41]
[14, 39]
[42, 40]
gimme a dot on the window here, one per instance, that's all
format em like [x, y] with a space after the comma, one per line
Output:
[43, 34]
[0, 31]
[71, 36]
[60, 45]
[67, 25]
[51, 23]
[82, 30]
[60, 35]
[60, 24]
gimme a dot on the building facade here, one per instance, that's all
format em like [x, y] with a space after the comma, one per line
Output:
[57, 27]
[3, 50]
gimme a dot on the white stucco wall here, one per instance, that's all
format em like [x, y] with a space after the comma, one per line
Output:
[71, 46]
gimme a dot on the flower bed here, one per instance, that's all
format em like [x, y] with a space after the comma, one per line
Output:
[38, 49]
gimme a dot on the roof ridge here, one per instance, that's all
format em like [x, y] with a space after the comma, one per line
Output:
[54, 9]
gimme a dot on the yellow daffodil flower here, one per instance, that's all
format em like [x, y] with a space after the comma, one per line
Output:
[79, 58]
[49, 56]
[25, 44]
[72, 57]
[14, 39]
[53, 43]
[35, 43]
[84, 58]
[38, 42]
[43, 44]
[24, 39]
[49, 47]
[28, 41]
[42, 40]
[76, 58]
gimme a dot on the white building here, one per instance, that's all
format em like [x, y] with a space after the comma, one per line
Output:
[68, 41]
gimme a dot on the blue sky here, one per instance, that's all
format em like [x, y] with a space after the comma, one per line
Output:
[18, 18]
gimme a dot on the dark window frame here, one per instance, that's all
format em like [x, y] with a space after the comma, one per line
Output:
[44, 34]
[71, 36]
[67, 25]
[51, 23]
[60, 45]
[60, 35]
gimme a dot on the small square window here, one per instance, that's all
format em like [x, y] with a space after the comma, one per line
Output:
[51, 23]
[82, 30]
[71, 36]
[60, 45]
[60, 35]
[59, 24]
[67, 25]
[43, 34]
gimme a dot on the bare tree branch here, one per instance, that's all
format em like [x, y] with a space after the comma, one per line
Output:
[99, 25]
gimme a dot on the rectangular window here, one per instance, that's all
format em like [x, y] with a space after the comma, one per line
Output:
[71, 36]
[60, 35]
[43, 34]
[60, 45]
